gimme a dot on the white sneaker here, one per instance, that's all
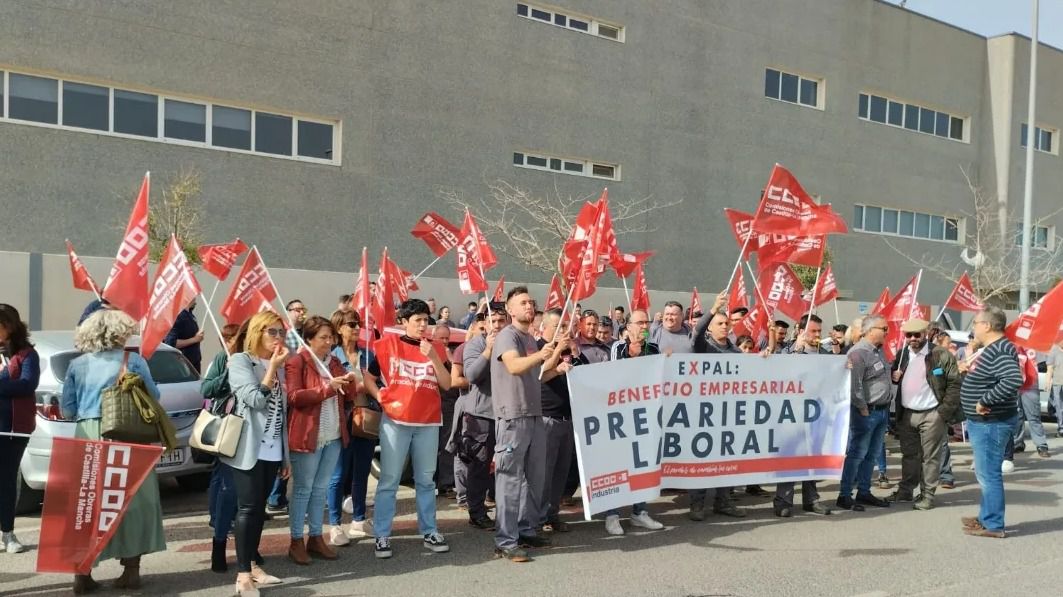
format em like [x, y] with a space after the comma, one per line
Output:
[337, 536]
[643, 519]
[11, 544]
[348, 505]
[359, 529]
[1007, 466]
[612, 525]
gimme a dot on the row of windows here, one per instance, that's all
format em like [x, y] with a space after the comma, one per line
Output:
[95, 108]
[912, 224]
[538, 161]
[570, 21]
[910, 116]
[791, 88]
[1042, 138]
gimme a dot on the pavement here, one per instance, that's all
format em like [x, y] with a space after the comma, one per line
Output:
[881, 552]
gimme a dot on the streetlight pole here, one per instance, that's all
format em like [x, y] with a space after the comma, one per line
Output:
[1027, 199]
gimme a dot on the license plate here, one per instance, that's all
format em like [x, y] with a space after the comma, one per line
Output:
[175, 458]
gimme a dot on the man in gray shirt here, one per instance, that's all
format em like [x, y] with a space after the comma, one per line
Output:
[871, 394]
[520, 437]
[476, 446]
[591, 350]
[672, 334]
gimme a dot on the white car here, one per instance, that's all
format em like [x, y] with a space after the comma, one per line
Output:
[179, 393]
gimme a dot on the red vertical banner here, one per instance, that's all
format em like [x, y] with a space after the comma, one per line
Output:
[640, 297]
[90, 485]
[127, 285]
[243, 299]
[175, 288]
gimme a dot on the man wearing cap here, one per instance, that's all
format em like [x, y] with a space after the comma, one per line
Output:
[870, 395]
[928, 399]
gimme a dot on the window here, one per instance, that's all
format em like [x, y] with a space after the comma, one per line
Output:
[1042, 138]
[569, 20]
[86, 106]
[83, 106]
[136, 113]
[35, 99]
[1041, 237]
[791, 88]
[186, 121]
[896, 113]
[884, 220]
[565, 165]
[273, 133]
[231, 127]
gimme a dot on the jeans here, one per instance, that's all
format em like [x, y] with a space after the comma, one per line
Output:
[351, 476]
[311, 472]
[1057, 401]
[252, 487]
[278, 494]
[396, 442]
[1029, 415]
[946, 464]
[866, 435]
[988, 440]
[882, 459]
[222, 497]
[11, 449]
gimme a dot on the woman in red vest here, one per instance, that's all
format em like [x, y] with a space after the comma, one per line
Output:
[19, 375]
[412, 369]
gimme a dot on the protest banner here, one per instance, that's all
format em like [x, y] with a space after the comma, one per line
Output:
[702, 421]
[90, 485]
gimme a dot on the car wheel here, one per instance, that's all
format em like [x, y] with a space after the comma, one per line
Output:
[28, 500]
[194, 482]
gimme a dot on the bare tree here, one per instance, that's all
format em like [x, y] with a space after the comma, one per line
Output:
[992, 251]
[808, 274]
[177, 212]
[532, 228]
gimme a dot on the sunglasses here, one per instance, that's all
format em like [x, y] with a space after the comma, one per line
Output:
[275, 332]
[913, 334]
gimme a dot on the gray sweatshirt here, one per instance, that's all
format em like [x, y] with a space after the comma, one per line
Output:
[477, 401]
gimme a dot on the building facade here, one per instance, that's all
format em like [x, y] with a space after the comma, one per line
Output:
[322, 126]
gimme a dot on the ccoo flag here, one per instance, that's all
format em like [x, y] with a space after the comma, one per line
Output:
[127, 286]
[175, 288]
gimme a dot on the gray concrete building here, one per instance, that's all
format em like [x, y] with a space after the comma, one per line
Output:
[322, 126]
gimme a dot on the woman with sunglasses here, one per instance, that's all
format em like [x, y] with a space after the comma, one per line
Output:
[257, 379]
[351, 475]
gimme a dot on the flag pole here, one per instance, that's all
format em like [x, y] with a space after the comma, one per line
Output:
[561, 321]
[365, 320]
[738, 262]
[627, 294]
[837, 318]
[812, 303]
[217, 328]
[434, 261]
[210, 301]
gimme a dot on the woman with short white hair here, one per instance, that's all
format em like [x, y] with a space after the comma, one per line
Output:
[102, 339]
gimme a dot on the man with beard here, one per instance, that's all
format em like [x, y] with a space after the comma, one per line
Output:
[590, 349]
[520, 438]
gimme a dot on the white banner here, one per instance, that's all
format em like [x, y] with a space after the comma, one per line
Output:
[699, 421]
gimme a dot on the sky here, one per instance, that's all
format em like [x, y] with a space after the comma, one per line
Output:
[993, 17]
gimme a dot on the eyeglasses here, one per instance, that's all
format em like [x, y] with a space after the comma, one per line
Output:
[275, 332]
[913, 334]
[352, 324]
[297, 309]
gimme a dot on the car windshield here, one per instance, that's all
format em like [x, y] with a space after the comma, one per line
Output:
[166, 366]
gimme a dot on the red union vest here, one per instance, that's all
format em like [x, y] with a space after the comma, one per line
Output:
[411, 396]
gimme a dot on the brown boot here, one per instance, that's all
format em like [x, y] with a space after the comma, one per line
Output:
[318, 547]
[83, 583]
[297, 552]
[130, 578]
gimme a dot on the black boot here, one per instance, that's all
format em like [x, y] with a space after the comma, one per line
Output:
[217, 556]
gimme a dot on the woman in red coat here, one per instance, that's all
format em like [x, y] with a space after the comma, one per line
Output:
[19, 375]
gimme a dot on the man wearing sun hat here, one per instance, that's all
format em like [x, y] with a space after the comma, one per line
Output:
[928, 399]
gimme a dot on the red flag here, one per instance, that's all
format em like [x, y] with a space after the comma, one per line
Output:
[475, 257]
[827, 289]
[902, 307]
[604, 238]
[738, 292]
[775, 248]
[242, 301]
[782, 290]
[82, 279]
[1038, 327]
[880, 304]
[754, 324]
[572, 251]
[500, 290]
[127, 286]
[175, 288]
[963, 297]
[625, 265]
[695, 303]
[402, 280]
[361, 299]
[741, 228]
[218, 260]
[787, 209]
[436, 232]
[555, 299]
[383, 304]
[90, 486]
[640, 297]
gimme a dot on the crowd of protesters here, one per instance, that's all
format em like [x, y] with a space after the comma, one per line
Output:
[489, 423]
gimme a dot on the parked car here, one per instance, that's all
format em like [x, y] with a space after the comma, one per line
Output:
[179, 394]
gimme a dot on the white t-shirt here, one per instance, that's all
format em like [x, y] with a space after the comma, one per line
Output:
[915, 391]
[272, 447]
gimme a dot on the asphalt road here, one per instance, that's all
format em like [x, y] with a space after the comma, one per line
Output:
[895, 551]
